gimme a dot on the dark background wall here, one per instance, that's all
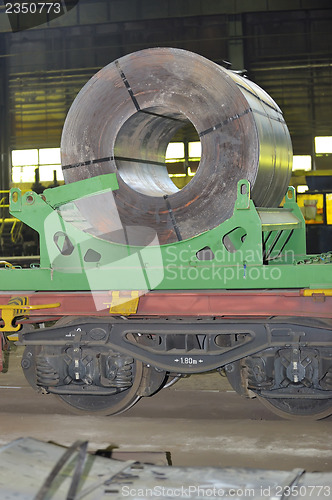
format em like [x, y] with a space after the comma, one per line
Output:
[285, 46]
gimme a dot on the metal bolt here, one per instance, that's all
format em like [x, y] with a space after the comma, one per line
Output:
[25, 363]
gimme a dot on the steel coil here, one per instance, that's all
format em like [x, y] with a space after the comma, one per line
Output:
[123, 119]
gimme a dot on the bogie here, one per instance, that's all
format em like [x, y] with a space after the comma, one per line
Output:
[105, 367]
[91, 378]
[293, 382]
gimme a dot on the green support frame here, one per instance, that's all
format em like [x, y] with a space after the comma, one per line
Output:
[254, 249]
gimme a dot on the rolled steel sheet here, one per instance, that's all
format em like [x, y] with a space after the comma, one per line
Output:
[123, 119]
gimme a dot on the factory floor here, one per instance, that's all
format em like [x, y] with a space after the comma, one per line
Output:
[200, 421]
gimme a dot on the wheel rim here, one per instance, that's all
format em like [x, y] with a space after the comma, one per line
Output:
[289, 408]
[297, 408]
[97, 404]
[107, 405]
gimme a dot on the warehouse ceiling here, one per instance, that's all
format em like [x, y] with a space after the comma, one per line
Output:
[284, 46]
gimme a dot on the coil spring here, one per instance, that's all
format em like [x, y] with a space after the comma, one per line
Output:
[328, 378]
[46, 373]
[124, 374]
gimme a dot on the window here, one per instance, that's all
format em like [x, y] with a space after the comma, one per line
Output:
[301, 162]
[25, 162]
[177, 154]
[302, 188]
[323, 145]
[195, 150]
[174, 152]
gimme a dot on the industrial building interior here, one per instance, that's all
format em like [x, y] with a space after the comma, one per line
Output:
[285, 47]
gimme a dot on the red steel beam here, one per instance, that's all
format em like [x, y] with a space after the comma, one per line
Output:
[250, 303]
[235, 303]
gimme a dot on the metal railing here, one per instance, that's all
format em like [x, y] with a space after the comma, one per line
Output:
[15, 231]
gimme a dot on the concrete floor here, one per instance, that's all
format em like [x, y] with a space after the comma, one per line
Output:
[199, 421]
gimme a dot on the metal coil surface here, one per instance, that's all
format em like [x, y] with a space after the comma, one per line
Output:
[123, 119]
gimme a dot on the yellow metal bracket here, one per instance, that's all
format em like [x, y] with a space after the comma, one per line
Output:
[318, 294]
[123, 304]
[323, 291]
[18, 306]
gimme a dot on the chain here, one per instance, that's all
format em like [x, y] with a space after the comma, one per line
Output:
[323, 258]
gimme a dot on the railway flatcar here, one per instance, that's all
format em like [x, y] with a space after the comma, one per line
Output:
[140, 282]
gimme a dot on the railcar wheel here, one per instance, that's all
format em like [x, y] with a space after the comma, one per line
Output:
[103, 405]
[96, 404]
[171, 380]
[38, 374]
[297, 408]
[106, 405]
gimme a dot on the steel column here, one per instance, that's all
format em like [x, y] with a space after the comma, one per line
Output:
[4, 117]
